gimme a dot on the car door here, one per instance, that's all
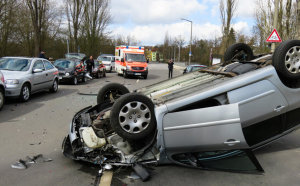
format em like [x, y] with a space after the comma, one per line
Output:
[208, 138]
[50, 73]
[262, 110]
[39, 78]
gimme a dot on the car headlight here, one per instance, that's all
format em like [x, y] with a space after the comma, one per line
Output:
[127, 67]
[11, 81]
[67, 74]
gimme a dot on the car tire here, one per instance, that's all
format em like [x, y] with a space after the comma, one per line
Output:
[132, 116]
[98, 76]
[286, 60]
[145, 76]
[75, 80]
[239, 52]
[104, 73]
[114, 90]
[54, 87]
[125, 75]
[2, 98]
[84, 79]
[25, 92]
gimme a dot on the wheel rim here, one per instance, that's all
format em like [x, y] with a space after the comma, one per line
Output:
[292, 60]
[134, 117]
[55, 86]
[26, 93]
[75, 81]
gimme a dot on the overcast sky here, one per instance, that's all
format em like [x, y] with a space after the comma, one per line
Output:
[149, 20]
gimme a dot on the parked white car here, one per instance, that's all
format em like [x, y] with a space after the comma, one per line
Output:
[24, 76]
[108, 62]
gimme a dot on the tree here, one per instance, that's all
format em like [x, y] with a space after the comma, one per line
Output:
[37, 13]
[298, 19]
[227, 14]
[96, 18]
[74, 11]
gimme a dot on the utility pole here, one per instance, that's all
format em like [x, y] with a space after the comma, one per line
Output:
[190, 54]
[275, 22]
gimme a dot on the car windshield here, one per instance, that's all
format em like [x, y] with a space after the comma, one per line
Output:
[64, 64]
[100, 58]
[14, 64]
[75, 55]
[135, 57]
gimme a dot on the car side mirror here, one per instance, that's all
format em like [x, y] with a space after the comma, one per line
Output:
[37, 70]
[122, 60]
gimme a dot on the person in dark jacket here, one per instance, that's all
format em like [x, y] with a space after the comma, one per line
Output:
[42, 55]
[90, 64]
[170, 66]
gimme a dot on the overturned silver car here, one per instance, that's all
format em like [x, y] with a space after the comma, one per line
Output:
[209, 119]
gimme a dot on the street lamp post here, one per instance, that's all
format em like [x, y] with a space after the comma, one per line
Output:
[190, 54]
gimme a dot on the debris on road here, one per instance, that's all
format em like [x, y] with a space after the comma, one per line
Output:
[24, 164]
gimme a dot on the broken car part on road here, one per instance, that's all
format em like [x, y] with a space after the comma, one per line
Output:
[209, 119]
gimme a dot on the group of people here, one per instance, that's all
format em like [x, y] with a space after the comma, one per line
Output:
[90, 64]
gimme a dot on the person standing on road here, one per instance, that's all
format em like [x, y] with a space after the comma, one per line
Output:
[170, 66]
[90, 65]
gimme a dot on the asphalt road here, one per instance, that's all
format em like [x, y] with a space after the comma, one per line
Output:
[39, 126]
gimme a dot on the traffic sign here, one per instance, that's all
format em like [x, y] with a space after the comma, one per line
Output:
[274, 37]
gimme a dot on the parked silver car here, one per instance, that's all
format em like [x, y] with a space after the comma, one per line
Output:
[2, 90]
[24, 76]
[210, 119]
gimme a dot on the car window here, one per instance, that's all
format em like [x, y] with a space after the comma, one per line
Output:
[14, 64]
[38, 65]
[48, 65]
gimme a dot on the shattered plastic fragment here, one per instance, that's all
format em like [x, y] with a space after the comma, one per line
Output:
[24, 164]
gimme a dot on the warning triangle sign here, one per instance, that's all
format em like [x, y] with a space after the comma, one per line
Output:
[274, 37]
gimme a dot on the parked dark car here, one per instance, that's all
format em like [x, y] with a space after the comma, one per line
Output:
[67, 71]
[210, 119]
[192, 68]
[2, 90]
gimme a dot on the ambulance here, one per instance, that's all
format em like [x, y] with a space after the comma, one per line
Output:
[131, 61]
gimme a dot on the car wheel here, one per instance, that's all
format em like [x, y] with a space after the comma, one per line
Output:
[125, 74]
[104, 73]
[54, 87]
[2, 99]
[132, 116]
[238, 52]
[145, 76]
[98, 75]
[75, 81]
[84, 79]
[25, 93]
[111, 92]
[286, 60]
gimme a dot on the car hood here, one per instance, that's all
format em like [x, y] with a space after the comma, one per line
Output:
[13, 74]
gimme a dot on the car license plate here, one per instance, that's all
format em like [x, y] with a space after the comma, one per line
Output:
[59, 77]
[137, 74]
